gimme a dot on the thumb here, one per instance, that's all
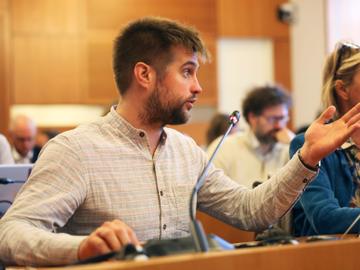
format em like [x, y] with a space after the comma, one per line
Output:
[326, 115]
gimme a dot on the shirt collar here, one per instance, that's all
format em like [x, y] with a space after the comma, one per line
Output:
[19, 158]
[252, 141]
[348, 144]
[120, 123]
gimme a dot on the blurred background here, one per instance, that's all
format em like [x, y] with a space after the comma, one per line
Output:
[56, 55]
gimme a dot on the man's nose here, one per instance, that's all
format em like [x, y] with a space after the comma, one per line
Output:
[278, 124]
[196, 87]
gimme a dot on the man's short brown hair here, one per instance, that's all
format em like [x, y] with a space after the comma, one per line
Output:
[150, 40]
[261, 98]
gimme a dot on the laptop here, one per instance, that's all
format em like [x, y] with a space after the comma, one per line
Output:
[12, 177]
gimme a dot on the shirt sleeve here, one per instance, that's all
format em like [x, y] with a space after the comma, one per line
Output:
[254, 209]
[53, 192]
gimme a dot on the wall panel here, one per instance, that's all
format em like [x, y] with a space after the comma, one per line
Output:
[207, 73]
[111, 14]
[44, 17]
[45, 70]
[282, 64]
[4, 67]
[101, 86]
[250, 18]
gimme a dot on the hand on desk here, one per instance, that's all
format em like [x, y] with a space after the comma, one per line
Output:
[111, 236]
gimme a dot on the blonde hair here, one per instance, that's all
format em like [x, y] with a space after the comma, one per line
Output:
[342, 69]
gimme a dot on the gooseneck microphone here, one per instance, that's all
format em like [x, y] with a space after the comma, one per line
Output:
[197, 231]
[351, 226]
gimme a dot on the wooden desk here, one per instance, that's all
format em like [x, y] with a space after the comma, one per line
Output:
[223, 230]
[327, 255]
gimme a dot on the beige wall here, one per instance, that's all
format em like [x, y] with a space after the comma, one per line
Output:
[308, 50]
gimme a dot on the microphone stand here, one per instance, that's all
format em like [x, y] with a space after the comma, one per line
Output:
[350, 227]
[197, 231]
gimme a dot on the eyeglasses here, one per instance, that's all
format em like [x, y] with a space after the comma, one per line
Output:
[342, 50]
[24, 139]
[276, 119]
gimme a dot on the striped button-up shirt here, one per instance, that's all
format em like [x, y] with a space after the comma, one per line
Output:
[104, 171]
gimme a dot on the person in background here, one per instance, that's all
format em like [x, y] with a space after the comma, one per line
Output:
[331, 203]
[5, 151]
[261, 150]
[23, 134]
[42, 138]
[127, 178]
[219, 123]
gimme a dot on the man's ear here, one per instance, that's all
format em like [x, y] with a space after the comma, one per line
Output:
[340, 90]
[144, 74]
[251, 118]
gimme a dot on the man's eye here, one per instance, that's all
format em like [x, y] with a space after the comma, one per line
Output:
[187, 73]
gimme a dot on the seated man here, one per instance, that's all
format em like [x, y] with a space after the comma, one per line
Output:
[22, 134]
[261, 150]
[127, 178]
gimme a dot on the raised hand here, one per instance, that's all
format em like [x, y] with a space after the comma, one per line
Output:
[321, 139]
[111, 236]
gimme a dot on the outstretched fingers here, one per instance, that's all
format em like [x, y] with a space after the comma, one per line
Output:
[326, 115]
[352, 116]
[353, 120]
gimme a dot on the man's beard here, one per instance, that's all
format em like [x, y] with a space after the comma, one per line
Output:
[267, 138]
[156, 112]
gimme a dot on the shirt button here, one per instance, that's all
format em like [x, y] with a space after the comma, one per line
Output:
[161, 193]
[141, 134]
[164, 227]
[305, 181]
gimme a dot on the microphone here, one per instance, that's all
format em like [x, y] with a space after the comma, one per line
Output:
[197, 231]
[6, 181]
[350, 227]
[331, 237]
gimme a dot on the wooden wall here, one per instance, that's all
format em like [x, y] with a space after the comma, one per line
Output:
[4, 68]
[59, 51]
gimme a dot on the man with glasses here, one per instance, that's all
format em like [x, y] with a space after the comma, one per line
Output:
[262, 149]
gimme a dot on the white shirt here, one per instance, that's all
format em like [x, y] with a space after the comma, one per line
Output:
[19, 159]
[5, 152]
[241, 159]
